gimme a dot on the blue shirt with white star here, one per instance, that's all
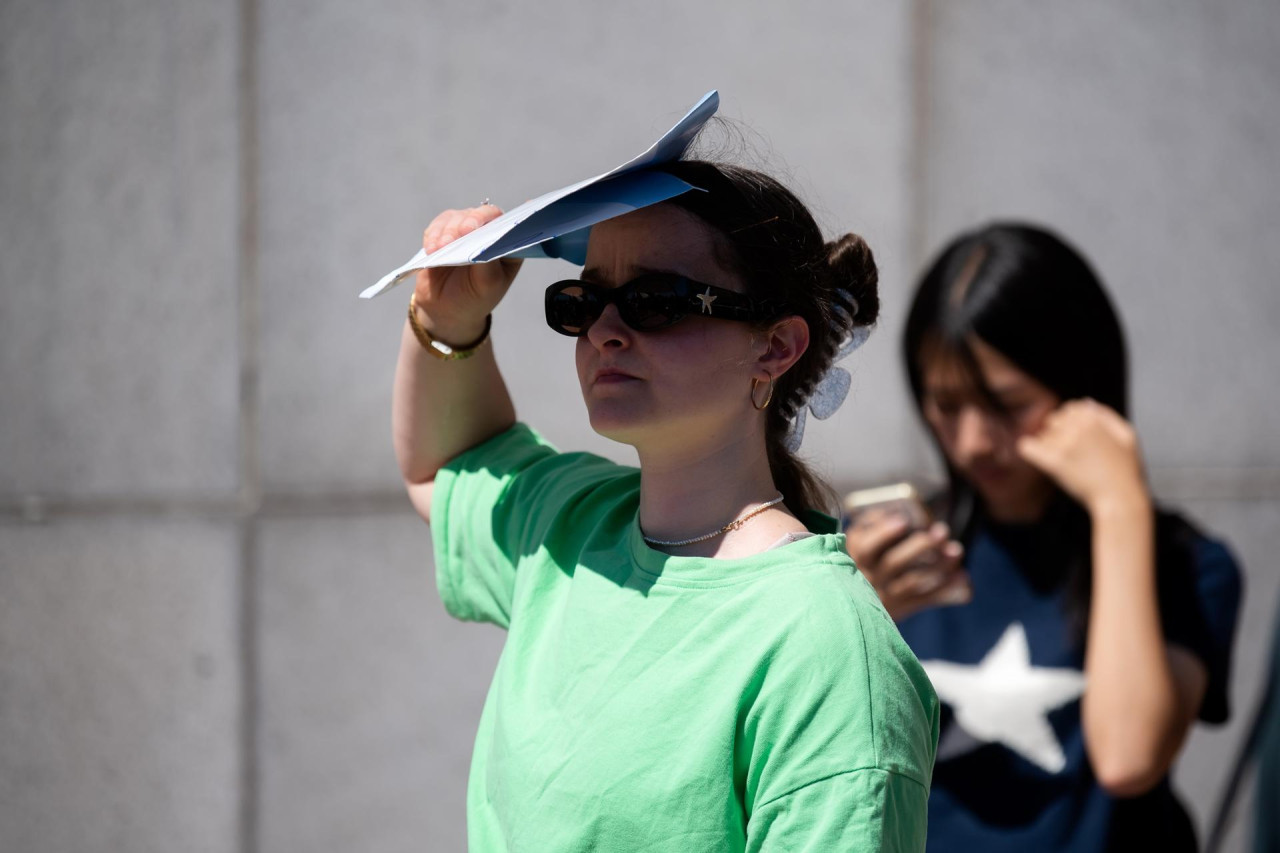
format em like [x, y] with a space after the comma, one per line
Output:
[1009, 664]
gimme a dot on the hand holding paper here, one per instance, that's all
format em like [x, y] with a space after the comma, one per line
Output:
[455, 300]
[557, 224]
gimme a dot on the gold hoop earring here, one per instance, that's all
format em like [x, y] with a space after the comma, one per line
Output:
[767, 400]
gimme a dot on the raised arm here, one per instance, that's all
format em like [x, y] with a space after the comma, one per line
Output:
[1142, 694]
[442, 407]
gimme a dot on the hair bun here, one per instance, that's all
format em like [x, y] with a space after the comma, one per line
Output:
[852, 268]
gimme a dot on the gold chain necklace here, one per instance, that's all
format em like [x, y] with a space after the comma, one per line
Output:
[733, 525]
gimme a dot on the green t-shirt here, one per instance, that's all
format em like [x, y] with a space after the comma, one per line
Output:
[648, 702]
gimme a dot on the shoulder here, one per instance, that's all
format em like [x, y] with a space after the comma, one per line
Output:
[840, 652]
[1208, 560]
[1200, 588]
[820, 591]
[515, 490]
[522, 460]
[820, 596]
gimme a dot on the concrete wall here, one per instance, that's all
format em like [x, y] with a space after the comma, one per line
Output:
[218, 626]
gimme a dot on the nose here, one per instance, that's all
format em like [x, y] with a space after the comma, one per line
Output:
[608, 331]
[975, 437]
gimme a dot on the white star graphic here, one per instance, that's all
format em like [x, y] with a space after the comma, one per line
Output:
[1005, 700]
[707, 299]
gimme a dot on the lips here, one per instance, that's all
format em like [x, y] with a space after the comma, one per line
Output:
[612, 376]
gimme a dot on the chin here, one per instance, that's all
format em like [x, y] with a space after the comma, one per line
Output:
[616, 422]
[1015, 498]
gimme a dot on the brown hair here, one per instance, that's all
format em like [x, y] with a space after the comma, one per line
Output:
[774, 244]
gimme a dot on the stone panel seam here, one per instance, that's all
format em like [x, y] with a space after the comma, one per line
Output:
[921, 69]
[250, 491]
[1182, 484]
[920, 45]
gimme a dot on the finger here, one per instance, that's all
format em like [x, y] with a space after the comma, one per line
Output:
[915, 583]
[471, 218]
[486, 213]
[1080, 407]
[1038, 450]
[431, 236]
[452, 224]
[1069, 418]
[1054, 417]
[920, 578]
[918, 549]
[1119, 428]
[932, 589]
[958, 590]
[868, 542]
[1058, 420]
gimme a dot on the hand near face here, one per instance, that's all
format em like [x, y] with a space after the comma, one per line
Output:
[1090, 451]
[456, 299]
[911, 571]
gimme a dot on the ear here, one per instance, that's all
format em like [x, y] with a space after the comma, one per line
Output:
[780, 346]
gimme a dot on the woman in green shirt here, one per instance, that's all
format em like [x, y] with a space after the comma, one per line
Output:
[693, 661]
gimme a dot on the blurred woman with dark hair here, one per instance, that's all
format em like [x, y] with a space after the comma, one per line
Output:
[1092, 629]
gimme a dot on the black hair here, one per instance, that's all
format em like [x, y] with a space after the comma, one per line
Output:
[771, 241]
[1028, 294]
[1025, 292]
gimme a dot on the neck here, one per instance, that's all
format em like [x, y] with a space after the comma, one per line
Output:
[688, 493]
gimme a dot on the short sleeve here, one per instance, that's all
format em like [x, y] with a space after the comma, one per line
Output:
[869, 809]
[492, 507]
[842, 732]
[1200, 588]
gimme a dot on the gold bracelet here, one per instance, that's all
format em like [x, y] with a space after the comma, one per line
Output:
[440, 349]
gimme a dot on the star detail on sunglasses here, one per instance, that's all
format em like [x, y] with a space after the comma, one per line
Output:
[707, 299]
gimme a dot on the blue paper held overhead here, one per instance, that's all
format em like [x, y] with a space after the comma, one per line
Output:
[556, 224]
[574, 215]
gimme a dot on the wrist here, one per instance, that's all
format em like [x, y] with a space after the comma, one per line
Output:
[1125, 503]
[437, 345]
[457, 332]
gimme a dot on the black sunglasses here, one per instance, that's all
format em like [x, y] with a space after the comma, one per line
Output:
[650, 302]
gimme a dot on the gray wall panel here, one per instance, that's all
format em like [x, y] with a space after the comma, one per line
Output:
[511, 101]
[120, 675]
[118, 170]
[370, 693]
[1146, 133]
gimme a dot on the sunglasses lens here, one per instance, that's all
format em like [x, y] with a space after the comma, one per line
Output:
[647, 303]
[571, 309]
[652, 304]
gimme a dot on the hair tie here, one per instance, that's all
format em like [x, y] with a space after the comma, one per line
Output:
[831, 391]
[851, 299]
